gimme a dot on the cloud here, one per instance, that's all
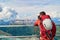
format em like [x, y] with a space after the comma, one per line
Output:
[34, 2]
[7, 13]
[33, 11]
[31, 8]
[30, 2]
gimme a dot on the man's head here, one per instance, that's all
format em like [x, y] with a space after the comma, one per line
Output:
[42, 13]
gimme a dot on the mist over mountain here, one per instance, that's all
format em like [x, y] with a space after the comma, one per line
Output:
[7, 15]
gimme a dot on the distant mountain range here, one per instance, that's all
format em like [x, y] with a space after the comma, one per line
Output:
[56, 20]
[25, 22]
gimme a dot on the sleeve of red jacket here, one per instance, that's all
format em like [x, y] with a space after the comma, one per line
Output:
[36, 23]
[53, 29]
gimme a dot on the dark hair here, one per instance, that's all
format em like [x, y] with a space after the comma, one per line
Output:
[39, 17]
[42, 13]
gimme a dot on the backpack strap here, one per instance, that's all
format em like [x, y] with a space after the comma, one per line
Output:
[49, 35]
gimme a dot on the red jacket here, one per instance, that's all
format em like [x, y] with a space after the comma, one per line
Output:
[37, 23]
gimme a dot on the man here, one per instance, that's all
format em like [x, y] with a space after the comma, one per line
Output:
[46, 34]
[50, 32]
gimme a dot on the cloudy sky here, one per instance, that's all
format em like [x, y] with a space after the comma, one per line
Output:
[31, 8]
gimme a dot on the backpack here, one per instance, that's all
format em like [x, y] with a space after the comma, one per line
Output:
[47, 23]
